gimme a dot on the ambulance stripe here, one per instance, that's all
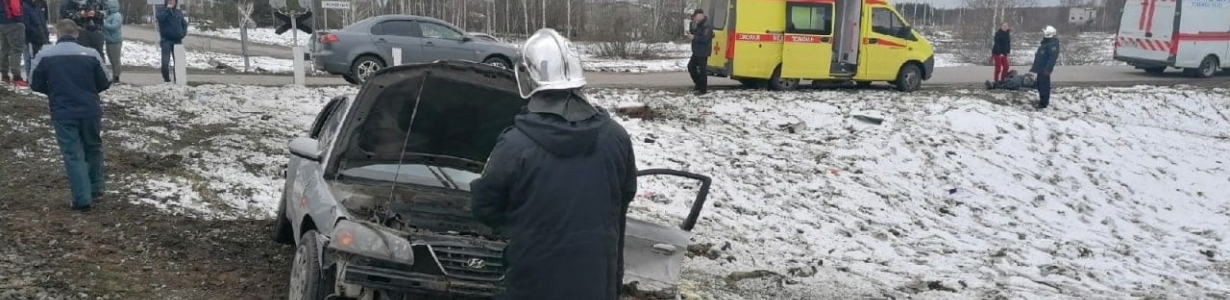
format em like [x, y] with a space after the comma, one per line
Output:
[1152, 9]
[1204, 36]
[807, 39]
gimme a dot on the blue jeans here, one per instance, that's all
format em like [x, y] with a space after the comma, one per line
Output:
[1044, 90]
[81, 144]
[168, 50]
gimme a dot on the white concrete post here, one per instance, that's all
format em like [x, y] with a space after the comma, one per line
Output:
[297, 52]
[181, 65]
[396, 56]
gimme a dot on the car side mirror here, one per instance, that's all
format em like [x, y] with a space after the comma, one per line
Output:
[305, 148]
[467, 39]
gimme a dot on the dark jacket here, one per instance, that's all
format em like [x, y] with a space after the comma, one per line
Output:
[35, 18]
[70, 9]
[1046, 57]
[1003, 43]
[702, 38]
[71, 76]
[10, 12]
[559, 192]
[171, 24]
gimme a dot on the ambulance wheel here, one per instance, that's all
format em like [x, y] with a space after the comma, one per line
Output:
[777, 83]
[1208, 68]
[1155, 70]
[909, 79]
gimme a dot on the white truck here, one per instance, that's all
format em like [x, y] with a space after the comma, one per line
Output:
[1192, 35]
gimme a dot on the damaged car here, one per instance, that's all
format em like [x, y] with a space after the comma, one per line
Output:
[376, 201]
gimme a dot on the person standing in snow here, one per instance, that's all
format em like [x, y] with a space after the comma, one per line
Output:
[558, 183]
[172, 28]
[701, 35]
[112, 26]
[1044, 64]
[12, 41]
[89, 15]
[1001, 50]
[34, 14]
[72, 76]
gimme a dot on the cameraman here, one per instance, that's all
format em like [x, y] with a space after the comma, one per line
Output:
[89, 16]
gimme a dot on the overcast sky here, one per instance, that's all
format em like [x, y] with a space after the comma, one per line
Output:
[954, 3]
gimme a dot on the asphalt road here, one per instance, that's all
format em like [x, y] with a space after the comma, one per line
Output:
[205, 43]
[948, 77]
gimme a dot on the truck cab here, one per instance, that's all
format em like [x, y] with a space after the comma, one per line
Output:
[781, 43]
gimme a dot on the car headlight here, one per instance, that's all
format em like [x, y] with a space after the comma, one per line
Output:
[371, 240]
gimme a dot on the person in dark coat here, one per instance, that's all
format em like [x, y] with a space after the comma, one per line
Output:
[72, 76]
[172, 28]
[558, 184]
[1044, 64]
[701, 35]
[1001, 50]
[35, 19]
[89, 16]
[12, 41]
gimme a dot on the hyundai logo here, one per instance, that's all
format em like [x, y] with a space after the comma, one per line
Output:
[475, 263]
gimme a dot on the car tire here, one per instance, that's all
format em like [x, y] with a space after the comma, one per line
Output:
[777, 83]
[909, 78]
[498, 62]
[364, 67]
[1208, 67]
[283, 232]
[351, 79]
[1155, 70]
[306, 283]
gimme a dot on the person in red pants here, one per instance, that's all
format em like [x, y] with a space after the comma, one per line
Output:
[1000, 51]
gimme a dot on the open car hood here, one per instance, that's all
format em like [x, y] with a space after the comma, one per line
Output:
[446, 113]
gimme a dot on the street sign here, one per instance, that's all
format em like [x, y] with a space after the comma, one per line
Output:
[343, 5]
[300, 22]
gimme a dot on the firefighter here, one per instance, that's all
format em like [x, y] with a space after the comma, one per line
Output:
[558, 183]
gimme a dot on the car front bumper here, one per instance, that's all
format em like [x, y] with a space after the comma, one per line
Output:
[417, 283]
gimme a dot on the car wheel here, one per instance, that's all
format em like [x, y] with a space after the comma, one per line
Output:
[499, 62]
[1155, 70]
[909, 79]
[1208, 67]
[365, 67]
[283, 233]
[777, 83]
[351, 79]
[305, 280]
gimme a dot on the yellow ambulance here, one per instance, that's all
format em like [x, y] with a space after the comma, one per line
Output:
[783, 42]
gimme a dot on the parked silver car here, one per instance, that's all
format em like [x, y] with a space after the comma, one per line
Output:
[377, 194]
[359, 50]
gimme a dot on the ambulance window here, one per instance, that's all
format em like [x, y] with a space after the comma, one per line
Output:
[883, 21]
[809, 18]
[717, 14]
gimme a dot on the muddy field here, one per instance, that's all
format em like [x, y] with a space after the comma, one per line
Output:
[119, 250]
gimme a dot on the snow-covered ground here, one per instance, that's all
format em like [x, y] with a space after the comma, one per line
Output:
[138, 54]
[1090, 48]
[1113, 193]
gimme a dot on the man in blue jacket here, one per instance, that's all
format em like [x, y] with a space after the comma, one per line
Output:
[172, 27]
[1044, 65]
[72, 76]
[12, 41]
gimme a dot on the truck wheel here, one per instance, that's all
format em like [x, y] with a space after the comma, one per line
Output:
[305, 280]
[909, 79]
[777, 83]
[1208, 68]
[1155, 70]
[283, 233]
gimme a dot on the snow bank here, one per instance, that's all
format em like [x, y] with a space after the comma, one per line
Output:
[1114, 193]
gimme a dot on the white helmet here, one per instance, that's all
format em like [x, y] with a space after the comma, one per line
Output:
[548, 62]
[1049, 31]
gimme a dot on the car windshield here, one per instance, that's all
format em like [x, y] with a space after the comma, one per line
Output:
[417, 174]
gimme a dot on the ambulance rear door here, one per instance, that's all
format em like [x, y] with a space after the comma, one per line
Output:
[807, 50]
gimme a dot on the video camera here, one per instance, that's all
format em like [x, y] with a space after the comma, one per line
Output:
[99, 7]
